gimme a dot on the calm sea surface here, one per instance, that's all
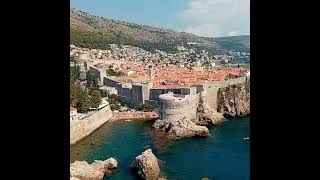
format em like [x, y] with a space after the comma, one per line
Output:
[222, 156]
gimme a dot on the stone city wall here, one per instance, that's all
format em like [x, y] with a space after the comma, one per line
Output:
[100, 74]
[177, 106]
[210, 91]
[81, 128]
[133, 93]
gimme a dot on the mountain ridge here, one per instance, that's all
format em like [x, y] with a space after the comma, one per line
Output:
[98, 32]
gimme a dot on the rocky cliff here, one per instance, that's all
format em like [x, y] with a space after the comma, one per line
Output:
[234, 100]
[207, 116]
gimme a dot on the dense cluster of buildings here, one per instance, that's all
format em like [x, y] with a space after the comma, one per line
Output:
[144, 76]
[183, 58]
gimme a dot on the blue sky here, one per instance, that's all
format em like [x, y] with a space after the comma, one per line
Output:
[211, 18]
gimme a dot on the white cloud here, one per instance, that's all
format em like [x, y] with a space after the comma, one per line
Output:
[233, 33]
[206, 30]
[225, 15]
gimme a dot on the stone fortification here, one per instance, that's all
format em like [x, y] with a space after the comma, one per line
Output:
[133, 93]
[178, 106]
[175, 106]
[187, 115]
[82, 127]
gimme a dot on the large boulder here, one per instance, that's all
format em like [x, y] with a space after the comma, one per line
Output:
[74, 178]
[146, 165]
[95, 171]
[82, 170]
[180, 128]
[107, 167]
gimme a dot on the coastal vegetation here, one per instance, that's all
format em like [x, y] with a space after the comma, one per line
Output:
[147, 106]
[74, 73]
[95, 98]
[82, 97]
[116, 102]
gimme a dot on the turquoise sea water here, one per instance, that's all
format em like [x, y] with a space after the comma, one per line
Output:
[222, 156]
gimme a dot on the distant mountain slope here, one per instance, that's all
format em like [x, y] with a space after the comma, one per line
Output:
[233, 43]
[96, 32]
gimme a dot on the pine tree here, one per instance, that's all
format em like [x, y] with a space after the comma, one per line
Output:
[95, 97]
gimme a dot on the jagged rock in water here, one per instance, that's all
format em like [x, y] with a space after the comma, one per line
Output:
[180, 128]
[146, 166]
[95, 171]
[82, 170]
[234, 100]
[107, 167]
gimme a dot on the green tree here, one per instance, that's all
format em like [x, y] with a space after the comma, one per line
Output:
[92, 81]
[83, 101]
[115, 106]
[145, 107]
[95, 98]
[116, 102]
[74, 73]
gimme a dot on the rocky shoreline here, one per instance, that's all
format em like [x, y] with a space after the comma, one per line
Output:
[180, 128]
[232, 101]
[81, 170]
[145, 166]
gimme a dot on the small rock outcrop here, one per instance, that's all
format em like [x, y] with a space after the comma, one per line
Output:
[84, 171]
[95, 171]
[180, 128]
[234, 100]
[107, 167]
[146, 166]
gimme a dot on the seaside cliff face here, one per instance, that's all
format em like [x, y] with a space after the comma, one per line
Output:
[234, 100]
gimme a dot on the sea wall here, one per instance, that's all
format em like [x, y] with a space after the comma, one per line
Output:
[81, 128]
